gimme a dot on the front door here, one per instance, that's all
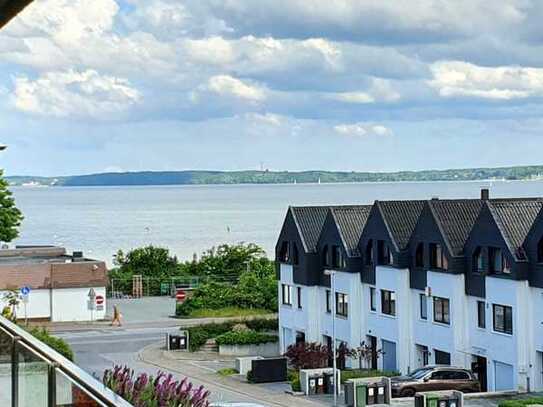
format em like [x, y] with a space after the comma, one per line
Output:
[328, 343]
[503, 374]
[478, 367]
[373, 346]
[389, 356]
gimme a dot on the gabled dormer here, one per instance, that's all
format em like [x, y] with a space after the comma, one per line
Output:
[384, 240]
[297, 243]
[437, 243]
[495, 246]
[338, 242]
[534, 250]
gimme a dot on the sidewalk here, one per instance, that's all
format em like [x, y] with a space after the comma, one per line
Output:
[187, 364]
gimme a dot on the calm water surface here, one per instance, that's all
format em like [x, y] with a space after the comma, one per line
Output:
[189, 219]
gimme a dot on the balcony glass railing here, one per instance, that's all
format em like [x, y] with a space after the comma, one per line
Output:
[34, 375]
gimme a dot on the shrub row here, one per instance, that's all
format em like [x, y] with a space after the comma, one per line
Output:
[521, 402]
[248, 337]
[198, 335]
[53, 342]
[362, 373]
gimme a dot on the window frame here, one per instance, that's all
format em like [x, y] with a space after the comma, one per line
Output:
[481, 314]
[369, 256]
[295, 254]
[419, 255]
[338, 260]
[373, 299]
[439, 308]
[299, 296]
[507, 317]
[325, 256]
[388, 303]
[423, 307]
[478, 264]
[496, 254]
[286, 299]
[438, 258]
[342, 304]
[284, 252]
[328, 302]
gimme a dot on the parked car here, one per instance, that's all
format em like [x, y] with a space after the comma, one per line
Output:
[430, 378]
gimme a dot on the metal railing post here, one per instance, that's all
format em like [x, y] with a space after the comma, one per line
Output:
[52, 385]
[14, 373]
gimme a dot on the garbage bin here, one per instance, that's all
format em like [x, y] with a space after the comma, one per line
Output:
[329, 383]
[183, 342]
[349, 389]
[361, 393]
[372, 394]
[321, 388]
[313, 386]
[454, 402]
[174, 342]
[432, 400]
[419, 400]
[380, 389]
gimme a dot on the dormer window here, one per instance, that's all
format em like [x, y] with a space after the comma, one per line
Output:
[419, 255]
[385, 256]
[284, 255]
[438, 259]
[477, 260]
[295, 254]
[540, 251]
[337, 257]
[369, 253]
[325, 256]
[497, 261]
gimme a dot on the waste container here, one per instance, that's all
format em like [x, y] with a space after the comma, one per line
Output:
[372, 394]
[380, 389]
[183, 341]
[355, 394]
[174, 342]
[361, 394]
[348, 388]
[432, 400]
[329, 383]
[419, 400]
[312, 386]
[321, 388]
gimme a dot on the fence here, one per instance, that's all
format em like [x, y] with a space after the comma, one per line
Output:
[32, 374]
[147, 286]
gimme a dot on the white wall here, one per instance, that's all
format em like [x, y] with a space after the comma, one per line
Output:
[71, 304]
[38, 306]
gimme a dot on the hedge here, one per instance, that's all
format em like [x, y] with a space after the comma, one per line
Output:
[198, 335]
[245, 338]
[363, 373]
[521, 402]
[53, 342]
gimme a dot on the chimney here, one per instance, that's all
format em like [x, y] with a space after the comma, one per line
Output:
[485, 194]
[435, 198]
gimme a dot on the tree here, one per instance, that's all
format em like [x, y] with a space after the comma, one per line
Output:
[10, 216]
[307, 355]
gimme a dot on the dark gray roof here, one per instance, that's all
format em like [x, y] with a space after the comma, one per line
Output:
[350, 221]
[400, 218]
[309, 220]
[515, 218]
[455, 218]
[10, 8]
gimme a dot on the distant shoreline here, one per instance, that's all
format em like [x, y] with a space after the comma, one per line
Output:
[172, 178]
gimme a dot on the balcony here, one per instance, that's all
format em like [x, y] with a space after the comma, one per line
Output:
[34, 375]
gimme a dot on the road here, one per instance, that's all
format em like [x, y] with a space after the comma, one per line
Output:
[99, 349]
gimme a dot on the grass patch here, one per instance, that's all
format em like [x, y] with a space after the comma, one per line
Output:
[226, 312]
[363, 373]
[521, 402]
[227, 371]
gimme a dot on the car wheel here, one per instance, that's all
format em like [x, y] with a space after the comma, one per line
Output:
[407, 392]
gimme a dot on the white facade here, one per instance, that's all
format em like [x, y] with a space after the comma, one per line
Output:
[60, 305]
[512, 360]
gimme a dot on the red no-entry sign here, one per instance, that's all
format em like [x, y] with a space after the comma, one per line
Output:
[180, 296]
[99, 300]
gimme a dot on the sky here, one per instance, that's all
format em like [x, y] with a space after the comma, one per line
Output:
[91, 86]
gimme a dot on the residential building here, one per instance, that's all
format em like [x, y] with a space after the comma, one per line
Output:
[421, 282]
[59, 283]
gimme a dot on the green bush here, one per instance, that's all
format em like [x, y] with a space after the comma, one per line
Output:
[227, 371]
[362, 373]
[293, 376]
[245, 338]
[521, 402]
[53, 342]
[250, 377]
[263, 324]
[198, 335]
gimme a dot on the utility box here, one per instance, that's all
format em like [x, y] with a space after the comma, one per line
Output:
[324, 380]
[179, 342]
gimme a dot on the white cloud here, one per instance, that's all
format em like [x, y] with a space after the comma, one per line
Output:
[269, 119]
[71, 93]
[379, 91]
[456, 78]
[229, 86]
[361, 130]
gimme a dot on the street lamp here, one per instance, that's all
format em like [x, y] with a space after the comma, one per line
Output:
[332, 275]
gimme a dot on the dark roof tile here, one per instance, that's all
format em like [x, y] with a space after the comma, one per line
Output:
[350, 221]
[309, 220]
[401, 218]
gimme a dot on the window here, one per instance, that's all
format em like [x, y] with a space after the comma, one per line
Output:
[299, 289]
[295, 254]
[503, 319]
[287, 294]
[388, 302]
[540, 251]
[423, 306]
[337, 257]
[438, 259]
[441, 310]
[373, 300]
[481, 314]
[284, 253]
[369, 253]
[328, 303]
[497, 261]
[300, 337]
[384, 254]
[442, 358]
[342, 305]
[478, 260]
[419, 255]
[325, 256]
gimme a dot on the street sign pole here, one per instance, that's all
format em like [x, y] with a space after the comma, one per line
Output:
[25, 294]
